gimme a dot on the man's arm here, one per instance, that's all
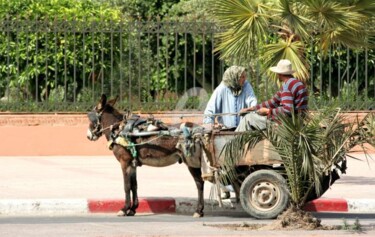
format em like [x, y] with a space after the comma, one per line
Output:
[274, 102]
[213, 107]
[266, 107]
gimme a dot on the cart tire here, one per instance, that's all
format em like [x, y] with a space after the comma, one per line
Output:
[264, 194]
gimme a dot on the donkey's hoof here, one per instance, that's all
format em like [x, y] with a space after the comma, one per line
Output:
[130, 213]
[197, 215]
[121, 213]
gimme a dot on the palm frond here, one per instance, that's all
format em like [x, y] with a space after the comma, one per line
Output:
[365, 7]
[330, 14]
[230, 48]
[369, 129]
[338, 23]
[246, 23]
[287, 12]
[293, 51]
[301, 141]
[236, 148]
[343, 37]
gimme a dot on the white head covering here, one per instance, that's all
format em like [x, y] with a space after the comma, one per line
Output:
[232, 77]
[283, 67]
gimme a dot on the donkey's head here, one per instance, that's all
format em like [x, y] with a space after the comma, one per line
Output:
[95, 129]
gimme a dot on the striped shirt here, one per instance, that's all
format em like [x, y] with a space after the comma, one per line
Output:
[292, 94]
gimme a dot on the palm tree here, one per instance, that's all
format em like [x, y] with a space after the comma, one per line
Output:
[284, 29]
[270, 30]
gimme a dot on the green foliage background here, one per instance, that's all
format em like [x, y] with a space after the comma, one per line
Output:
[43, 69]
[30, 67]
[41, 61]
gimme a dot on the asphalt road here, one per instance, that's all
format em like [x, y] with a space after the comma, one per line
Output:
[166, 225]
[100, 177]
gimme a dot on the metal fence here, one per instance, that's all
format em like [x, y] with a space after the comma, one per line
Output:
[344, 76]
[65, 65]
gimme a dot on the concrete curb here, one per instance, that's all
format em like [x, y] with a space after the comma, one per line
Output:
[162, 205]
[146, 205]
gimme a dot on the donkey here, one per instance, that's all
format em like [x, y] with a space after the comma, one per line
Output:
[153, 150]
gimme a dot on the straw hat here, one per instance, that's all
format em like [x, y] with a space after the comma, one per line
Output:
[283, 67]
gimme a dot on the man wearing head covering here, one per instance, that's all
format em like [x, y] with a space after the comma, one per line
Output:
[232, 95]
[291, 98]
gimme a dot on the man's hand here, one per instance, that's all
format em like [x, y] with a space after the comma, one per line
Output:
[246, 110]
[263, 111]
[218, 126]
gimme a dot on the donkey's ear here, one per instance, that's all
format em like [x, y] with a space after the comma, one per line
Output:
[113, 101]
[103, 99]
[102, 102]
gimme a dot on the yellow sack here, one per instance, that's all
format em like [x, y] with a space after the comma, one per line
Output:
[122, 141]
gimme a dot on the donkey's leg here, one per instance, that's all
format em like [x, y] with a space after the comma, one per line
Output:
[237, 186]
[134, 188]
[126, 173]
[197, 175]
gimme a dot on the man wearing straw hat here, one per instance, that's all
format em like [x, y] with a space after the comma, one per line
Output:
[291, 98]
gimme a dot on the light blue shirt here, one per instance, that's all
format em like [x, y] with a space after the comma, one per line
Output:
[223, 101]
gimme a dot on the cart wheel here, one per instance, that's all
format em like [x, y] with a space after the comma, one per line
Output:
[264, 194]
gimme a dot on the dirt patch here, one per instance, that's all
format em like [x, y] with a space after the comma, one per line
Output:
[294, 219]
[291, 219]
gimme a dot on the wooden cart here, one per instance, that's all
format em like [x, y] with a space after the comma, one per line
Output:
[263, 189]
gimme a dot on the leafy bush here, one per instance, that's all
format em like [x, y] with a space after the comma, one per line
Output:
[38, 48]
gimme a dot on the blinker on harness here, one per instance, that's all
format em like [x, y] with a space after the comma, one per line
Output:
[94, 117]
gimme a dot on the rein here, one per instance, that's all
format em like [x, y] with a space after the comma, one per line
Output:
[182, 116]
[217, 114]
[145, 143]
[110, 126]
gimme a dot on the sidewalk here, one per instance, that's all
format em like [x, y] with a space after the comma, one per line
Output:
[78, 184]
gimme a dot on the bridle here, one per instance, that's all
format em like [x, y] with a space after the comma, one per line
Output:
[95, 118]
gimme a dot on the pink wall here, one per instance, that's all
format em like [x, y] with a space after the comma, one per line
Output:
[62, 134]
[57, 134]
